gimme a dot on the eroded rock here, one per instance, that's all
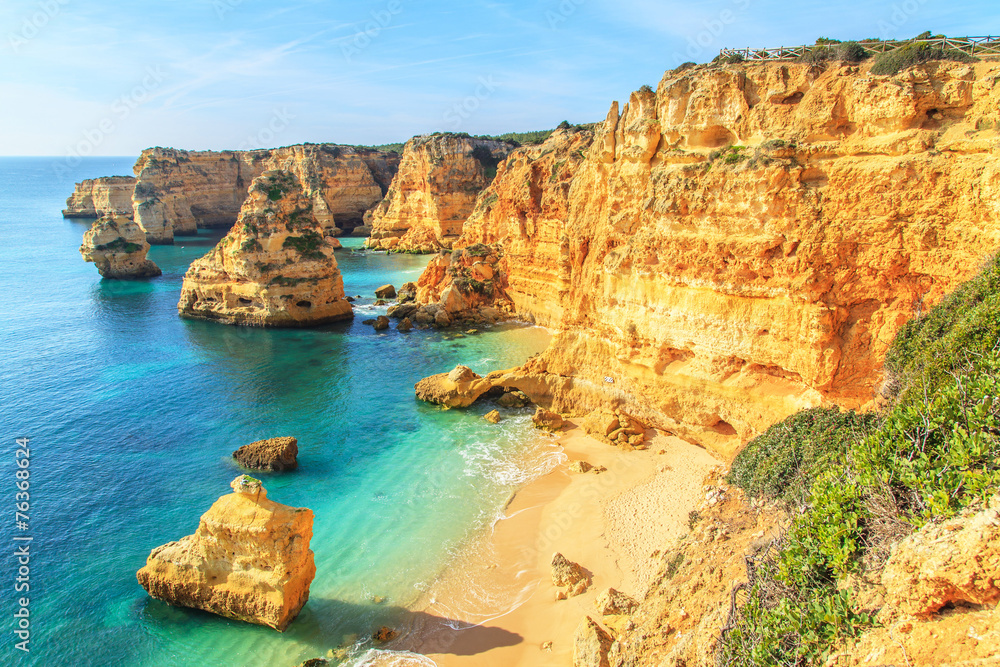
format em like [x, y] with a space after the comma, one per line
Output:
[276, 267]
[249, 560]
[949, 563]
[273, 454]
[572, 576]
[118, 247]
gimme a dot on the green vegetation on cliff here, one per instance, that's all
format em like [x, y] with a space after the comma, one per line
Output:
[857, 484]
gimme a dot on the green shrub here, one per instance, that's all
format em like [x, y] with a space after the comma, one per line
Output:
[892, 62]
[782, 462]
[307, 245]
[119, 245]
[934, 452]
[731, 59]
[251, 245]
[929, 347]
[832, 50]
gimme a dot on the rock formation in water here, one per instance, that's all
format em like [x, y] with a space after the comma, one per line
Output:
[249, 560]
[276, 267]
[746, 240]
[118, 247]
[99, 197]
[433, 192]
[271, 454]
[181, 191]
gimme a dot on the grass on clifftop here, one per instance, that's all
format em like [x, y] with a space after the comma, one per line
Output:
[861, 483]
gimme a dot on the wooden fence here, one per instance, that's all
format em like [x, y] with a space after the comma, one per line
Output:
[976, 46]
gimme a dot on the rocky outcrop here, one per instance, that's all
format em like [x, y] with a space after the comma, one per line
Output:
[276, 267]
[273, 454]
[591, 644]
[467, 284]
[433, 192]
[459, 388]
[745, 241]
[100, 197]
[572, 576]
[953, 563]
[118, 247]
[249, 560]
[181, 191]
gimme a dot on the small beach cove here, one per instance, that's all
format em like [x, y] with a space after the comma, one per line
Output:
[497, 595]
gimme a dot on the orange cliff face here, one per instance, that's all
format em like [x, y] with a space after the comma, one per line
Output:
[99, 197]
[746, 241]
[433, 192]
[181, 191]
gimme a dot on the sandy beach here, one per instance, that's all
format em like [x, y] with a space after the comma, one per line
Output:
[497, 605]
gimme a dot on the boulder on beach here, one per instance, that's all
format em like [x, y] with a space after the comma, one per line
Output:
[386, 292]
[580, 467]
[547, 420]
[248, 560]
[273, 454]
[513, 399]
[569, 574]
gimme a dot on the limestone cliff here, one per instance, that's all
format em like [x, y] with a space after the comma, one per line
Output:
[97, 197]
[249, 560]
[275, 267]
[118, 247]
[434, 192]
[746, 240]
[181, 191]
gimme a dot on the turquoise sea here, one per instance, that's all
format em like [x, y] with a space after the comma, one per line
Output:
[133, 413]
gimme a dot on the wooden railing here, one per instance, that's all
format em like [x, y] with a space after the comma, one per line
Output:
[976, 46]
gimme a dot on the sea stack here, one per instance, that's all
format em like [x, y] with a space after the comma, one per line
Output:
[118, 247]
[433, 192]
[249, 560]
[275, 267]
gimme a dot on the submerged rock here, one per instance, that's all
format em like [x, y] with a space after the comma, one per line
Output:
[276, 266]
[271, 454]
[249, 560]
[118, 247]
[385, 634]
[381, 323]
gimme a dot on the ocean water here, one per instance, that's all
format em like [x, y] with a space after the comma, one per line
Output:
[133, 413]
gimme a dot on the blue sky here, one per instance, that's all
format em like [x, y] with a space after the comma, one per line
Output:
[108, 77]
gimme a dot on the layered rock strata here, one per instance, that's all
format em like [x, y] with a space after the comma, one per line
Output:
[249, 560]
[433, 192]
[178, 192]
[99, 197]
[745, 241]
[276, 267]
[118, 247]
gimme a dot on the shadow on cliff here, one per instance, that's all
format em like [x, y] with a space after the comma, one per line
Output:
[325, 624]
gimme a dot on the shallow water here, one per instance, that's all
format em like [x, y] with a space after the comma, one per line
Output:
[133, 414]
